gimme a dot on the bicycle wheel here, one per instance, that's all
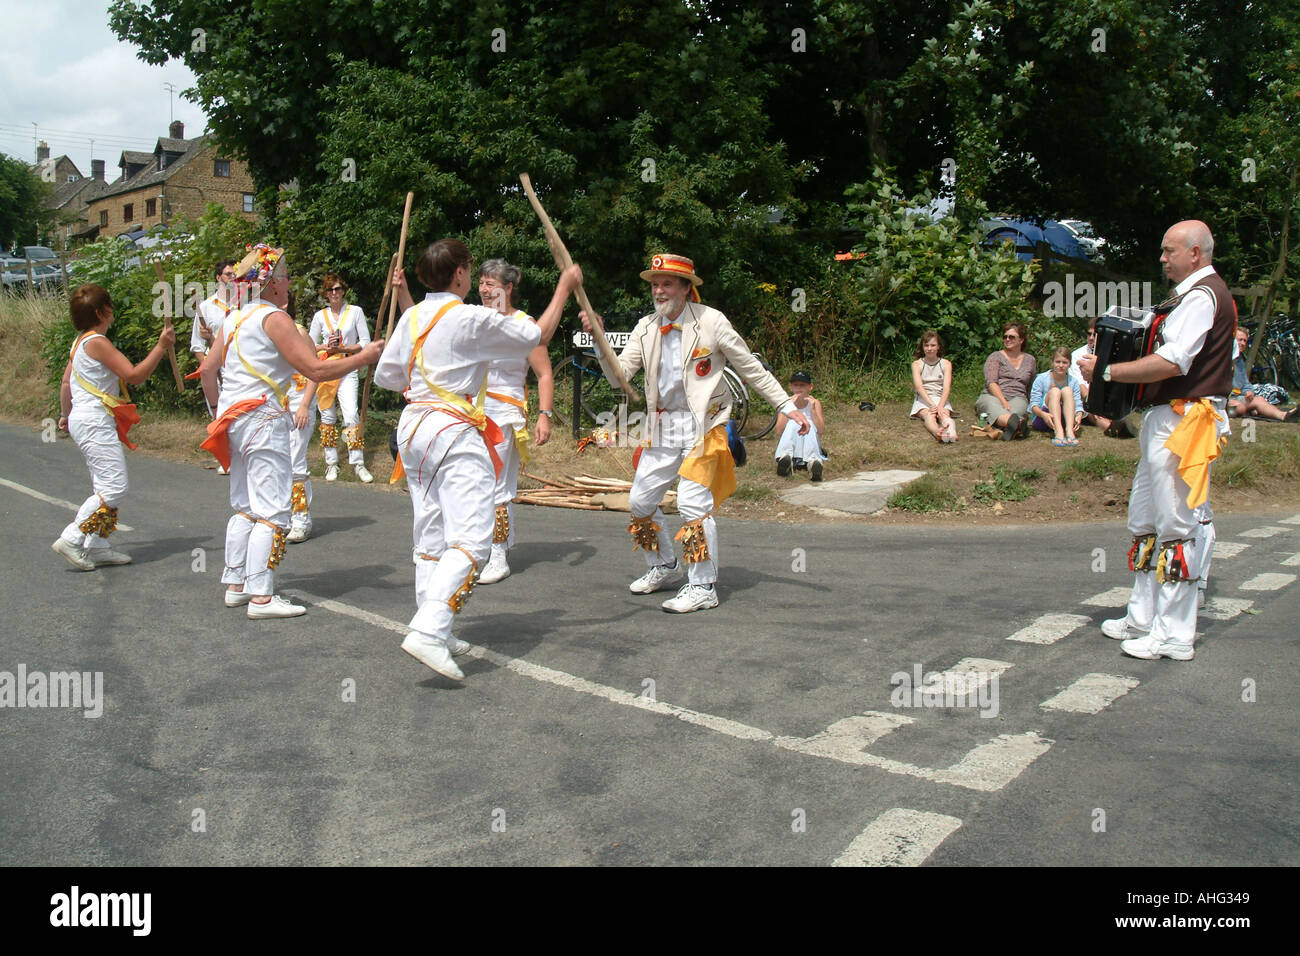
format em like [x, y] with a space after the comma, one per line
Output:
[562, 372]
[739, 399]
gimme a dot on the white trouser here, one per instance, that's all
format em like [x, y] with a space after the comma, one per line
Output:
[346, 399]
[95, 433]
[299, 438]
[808, 447]
[261, 479]
[655, 473]
[449, 476]
[1158, 505]
[508, 480]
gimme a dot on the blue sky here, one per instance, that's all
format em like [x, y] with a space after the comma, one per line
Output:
[64, 70]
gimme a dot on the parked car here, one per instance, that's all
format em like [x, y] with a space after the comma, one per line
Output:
[1085, 237]
[44, 277]
[38, 252]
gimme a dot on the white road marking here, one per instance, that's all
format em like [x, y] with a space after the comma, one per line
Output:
[898, 837]
[1091, 693]
[1265, 532]
[1228, 549]
[1269, 581]
[1115, 597]
[966, 677]
[1292, 561]
[54, 501]
[1224, 608]
[1050, 628]
[989, 766]
[1294, 519]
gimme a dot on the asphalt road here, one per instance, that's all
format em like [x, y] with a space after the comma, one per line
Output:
[593, 728]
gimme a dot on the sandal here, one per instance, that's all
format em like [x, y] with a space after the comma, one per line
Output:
[1061, 442]
[1072, 443]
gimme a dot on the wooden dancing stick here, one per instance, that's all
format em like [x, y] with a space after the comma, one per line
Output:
[370, 376]
[563, 260]
[401, 256]
[167, 321]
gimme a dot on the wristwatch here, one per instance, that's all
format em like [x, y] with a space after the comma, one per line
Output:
[547, 412]
[1105, 374]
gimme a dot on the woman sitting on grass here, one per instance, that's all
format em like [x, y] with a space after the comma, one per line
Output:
[931, 385]
[1008, 374]
[1057, 401]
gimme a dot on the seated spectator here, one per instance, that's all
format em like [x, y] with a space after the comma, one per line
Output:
[1056, 400]
[1088, 348]
[1258, 401]
[1008, 374]
[801, 451]
[931, 385]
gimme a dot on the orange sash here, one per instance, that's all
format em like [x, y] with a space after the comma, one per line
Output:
[218, 440]
[122, 409]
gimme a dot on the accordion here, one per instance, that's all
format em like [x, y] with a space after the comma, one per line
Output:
[1123, 334]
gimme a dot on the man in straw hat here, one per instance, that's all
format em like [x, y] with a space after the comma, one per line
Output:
[684, 347]
[256, 351]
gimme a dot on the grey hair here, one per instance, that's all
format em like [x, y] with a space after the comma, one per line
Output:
[1199, 235]
[502, 271]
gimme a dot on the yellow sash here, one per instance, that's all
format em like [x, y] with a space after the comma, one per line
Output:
[123, 412]
[710, 464]
[1196, 443]
[282, 395]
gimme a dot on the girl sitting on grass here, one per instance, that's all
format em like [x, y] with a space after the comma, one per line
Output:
[932, 384]
[1056, 401]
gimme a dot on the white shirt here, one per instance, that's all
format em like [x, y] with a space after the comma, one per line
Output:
[256, 348]
[676, 425]
[351, 323]
[96, 373]
[506, 377]
[457, 353]
[211, 312]
[1185, 328]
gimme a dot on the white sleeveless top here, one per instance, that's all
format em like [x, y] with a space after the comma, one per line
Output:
[94, 372]
[256, 348]
[507, 377]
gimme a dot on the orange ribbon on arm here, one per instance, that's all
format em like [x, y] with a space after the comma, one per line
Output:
[218, 440]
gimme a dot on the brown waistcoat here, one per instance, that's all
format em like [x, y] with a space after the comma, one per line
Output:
[1211, 370]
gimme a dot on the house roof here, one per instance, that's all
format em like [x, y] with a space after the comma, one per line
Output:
[77, 194]
[150, 175]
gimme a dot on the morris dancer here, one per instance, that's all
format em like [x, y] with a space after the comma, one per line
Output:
[95, 411]
[688, 406]
[209, 316]
[507, 405]
[256, 352]
[1189, 376]
[439, 357]
[341, 330]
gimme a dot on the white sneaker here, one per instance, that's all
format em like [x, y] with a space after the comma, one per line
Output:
[457, 647]
[73, 554]
[102, 556]
[237, 598]
[432, 653]
[1150, 649]
[332, 473]
[276, 607]
[222, 470]
[364, 475]
[299, 530]
[1117, 628]
[496, 568]
[692, 597]
[657, 578]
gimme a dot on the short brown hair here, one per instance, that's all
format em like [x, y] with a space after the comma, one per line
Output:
[1021, 330]
[330, 279]
[926, 336]
[84, 304]
[438, 265]
[1061, 352]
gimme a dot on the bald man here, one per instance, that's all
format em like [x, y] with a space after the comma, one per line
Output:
[1188, 378]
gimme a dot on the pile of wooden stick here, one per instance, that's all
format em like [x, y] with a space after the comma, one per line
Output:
[585, 493]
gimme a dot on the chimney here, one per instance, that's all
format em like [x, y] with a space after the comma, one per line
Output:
[176, 130]
[97, 169]
[42, 152]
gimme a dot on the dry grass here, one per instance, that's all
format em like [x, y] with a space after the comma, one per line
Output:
[24, 378]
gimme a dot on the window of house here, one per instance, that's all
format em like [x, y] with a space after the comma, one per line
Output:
[248, 202]
[221, 167]
[128, 212]
[103, 219]
[72, 178]
[151, 207]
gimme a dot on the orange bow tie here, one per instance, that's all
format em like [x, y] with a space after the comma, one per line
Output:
[664, 329]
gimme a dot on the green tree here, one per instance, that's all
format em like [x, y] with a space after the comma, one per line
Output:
[21, 196]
